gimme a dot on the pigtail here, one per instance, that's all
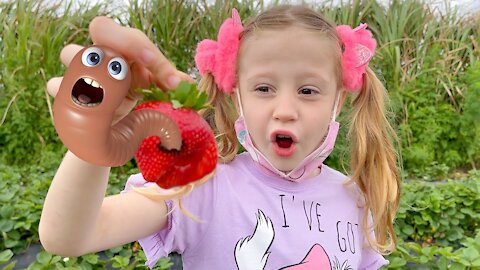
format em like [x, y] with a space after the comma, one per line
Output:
[374, 162]
[221, 115]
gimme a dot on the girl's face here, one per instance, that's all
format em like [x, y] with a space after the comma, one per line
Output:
[288, 87]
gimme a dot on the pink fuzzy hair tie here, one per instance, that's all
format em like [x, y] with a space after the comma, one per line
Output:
[220, 57]
[359, 48]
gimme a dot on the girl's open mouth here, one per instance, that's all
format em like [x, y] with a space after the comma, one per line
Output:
[283, 144]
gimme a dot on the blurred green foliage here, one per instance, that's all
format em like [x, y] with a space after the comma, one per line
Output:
[426, 60]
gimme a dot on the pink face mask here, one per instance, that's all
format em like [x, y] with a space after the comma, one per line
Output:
[307, 167]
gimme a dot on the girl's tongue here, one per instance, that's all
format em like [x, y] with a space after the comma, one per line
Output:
[284, 146]
[284, 141]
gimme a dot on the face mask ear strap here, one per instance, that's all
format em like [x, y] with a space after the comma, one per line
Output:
[239, 100]
[335, 107]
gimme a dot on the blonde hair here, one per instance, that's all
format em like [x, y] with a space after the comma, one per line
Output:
[373, 157]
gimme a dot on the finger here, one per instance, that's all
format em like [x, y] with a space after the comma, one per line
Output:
[185, 77]
[53, 85]
[68, 52]
[136, 46]
[141, 76]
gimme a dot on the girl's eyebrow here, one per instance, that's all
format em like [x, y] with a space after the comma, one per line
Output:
[316, 76]
[263, 75]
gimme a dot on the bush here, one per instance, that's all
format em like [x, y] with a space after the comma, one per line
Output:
[436, 132]
[438, 225]
[412, 255]
[440, 213]
[22, 192]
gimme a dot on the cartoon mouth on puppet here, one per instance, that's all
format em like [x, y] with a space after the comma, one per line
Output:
[87, 92]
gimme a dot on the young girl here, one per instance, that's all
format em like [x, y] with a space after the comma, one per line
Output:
[276, 206]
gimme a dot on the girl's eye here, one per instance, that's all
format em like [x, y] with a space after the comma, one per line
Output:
[308, 91]
[263, 89]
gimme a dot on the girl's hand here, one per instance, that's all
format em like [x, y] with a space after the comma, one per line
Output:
[147, 64]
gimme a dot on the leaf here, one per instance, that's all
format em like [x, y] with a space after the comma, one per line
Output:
[11, 243]
[186, 95]
[408, 230]
[6, 211]
[176, 104]
[5, 197]
[182, 91]
[70, 261]
[457, 266]
[35, 266]
[155, 93]
[56, 259]
[120, 262]
[126, 252]
[22, 224]
[44, 257]
[397, 262]
[6, 225]
[85, 266]
[423, 259]
[115, 249]
[471, 254]
[476, 262]
[10, 266]
[91, 258]
[5, 256]
[165, 263]
[201, 101]
[191, 100]
[442, 263]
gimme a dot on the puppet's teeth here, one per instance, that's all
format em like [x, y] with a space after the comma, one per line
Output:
[95, 84]
[88, 80]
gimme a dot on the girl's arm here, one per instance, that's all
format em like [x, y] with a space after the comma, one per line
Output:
[77, 219]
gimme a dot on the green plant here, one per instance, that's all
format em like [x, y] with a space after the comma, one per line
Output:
[417, 256]
[117, 258]
[441, 213]
[21, 193]
[32, 35]
[5, 257]
[436, 136]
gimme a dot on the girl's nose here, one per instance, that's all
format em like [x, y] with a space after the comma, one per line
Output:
[285, 109]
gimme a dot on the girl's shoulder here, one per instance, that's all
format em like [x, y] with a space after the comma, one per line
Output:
[343, 184]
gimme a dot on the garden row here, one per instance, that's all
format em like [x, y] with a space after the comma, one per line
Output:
[437, 224]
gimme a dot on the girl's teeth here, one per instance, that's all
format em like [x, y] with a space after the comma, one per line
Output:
[283, 136]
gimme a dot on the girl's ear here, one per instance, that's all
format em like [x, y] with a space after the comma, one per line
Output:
[343, 97]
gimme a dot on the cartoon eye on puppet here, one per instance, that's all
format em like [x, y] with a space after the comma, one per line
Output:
[173, 145]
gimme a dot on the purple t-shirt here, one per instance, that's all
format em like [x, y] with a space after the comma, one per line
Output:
[250, 220]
